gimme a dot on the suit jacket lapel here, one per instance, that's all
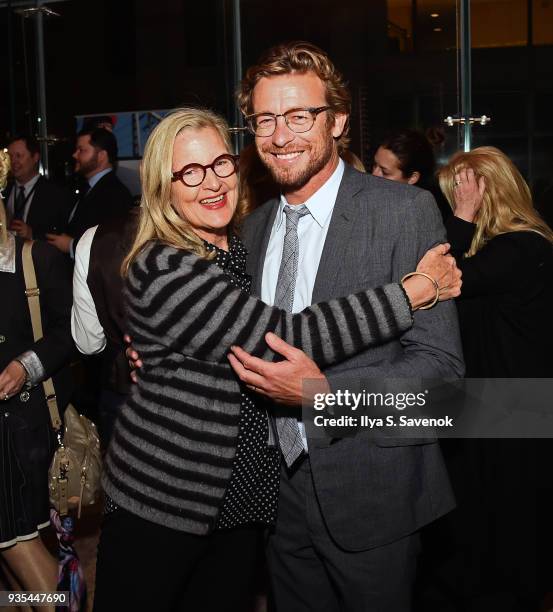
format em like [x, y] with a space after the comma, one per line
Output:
[341, 223]
[6, 194]
[88, 199]
[11, 186]
[259, 233]
[8, 190]
[99, 185]
[35, 210]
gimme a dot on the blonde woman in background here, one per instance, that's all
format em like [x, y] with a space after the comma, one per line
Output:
[501, 535]
[505, 251]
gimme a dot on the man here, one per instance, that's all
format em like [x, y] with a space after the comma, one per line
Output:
[34, 204]
[128, 172]
[103, 196]
[349, 509]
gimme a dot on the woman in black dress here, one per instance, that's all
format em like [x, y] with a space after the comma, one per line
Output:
[505, 252]
[27, 441]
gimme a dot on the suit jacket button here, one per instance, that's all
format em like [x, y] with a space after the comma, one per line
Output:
[2, 339]
[24, 397]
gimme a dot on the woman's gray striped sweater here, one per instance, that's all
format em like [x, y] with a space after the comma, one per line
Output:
[171, 455]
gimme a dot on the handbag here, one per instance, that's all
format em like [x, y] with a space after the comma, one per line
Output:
[76, 468]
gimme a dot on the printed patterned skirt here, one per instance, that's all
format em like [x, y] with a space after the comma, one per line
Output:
[25, 456]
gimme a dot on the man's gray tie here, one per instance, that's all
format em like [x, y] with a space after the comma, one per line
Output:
[289, 435]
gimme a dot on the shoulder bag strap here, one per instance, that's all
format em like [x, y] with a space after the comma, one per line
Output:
[32, 292]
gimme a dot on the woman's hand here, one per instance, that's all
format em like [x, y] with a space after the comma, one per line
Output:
[440, 266]
[468, 194]
[12, 380]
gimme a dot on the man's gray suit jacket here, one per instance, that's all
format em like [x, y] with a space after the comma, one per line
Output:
[373, 491]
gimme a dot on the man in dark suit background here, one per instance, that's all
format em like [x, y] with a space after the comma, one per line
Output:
[103, 196]
[349, 509]
[34, 204]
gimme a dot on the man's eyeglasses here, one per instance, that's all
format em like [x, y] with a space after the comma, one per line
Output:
[193, 175]
[299, 120]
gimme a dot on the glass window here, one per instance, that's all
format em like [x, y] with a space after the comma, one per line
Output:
[542, 22]
[508, 111]
[542, 112]
[499, 23]
[436, 25]
[400, 25]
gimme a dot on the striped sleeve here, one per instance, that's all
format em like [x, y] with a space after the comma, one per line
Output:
[187, 303]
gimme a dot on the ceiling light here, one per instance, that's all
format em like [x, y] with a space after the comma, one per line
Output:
[434, 15]
[437, 29]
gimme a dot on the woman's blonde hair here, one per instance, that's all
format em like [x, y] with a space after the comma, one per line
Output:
[158, 219]
[507, 202]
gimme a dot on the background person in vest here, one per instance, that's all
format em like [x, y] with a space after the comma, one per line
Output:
[34, 204]
[97, 317]
[103, 197]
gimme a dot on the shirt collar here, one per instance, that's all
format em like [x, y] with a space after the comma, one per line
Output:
[321, 203]
[94, 179]
[29, 184]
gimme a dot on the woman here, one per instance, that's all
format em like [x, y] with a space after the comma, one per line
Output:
[405, 156]
[504, 249]
[189, 468]
[505, 253]
[27, 441]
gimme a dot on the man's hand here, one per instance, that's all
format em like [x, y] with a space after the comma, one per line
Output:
[12, 379]
[22, 229]
[282, 381]
[135, 362]
[60, 241]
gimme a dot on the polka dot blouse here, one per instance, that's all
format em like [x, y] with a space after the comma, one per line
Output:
[253, 489]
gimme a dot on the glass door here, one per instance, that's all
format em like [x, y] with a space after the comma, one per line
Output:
[416, 84]
[400, 57]
[467, 73]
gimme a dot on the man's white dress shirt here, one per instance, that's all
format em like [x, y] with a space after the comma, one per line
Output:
[86, 329]
[312, 230]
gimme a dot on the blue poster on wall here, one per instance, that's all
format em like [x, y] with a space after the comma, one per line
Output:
[130, 128]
